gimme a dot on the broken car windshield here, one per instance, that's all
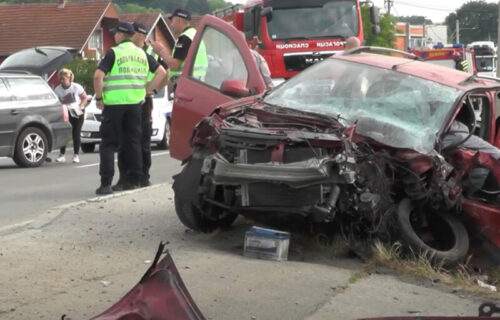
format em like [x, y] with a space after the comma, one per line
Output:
[390, 107]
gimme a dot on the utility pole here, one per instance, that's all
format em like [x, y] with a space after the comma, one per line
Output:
[457, 30]
[498, 39]
[388, 3]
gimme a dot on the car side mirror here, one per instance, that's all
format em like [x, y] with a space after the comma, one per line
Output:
[373, 15]
[267, 12]
[234, 88]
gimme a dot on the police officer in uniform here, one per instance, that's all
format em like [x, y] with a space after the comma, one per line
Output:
[460, 63]
[120, 85]
[185, 34]
[139, 38]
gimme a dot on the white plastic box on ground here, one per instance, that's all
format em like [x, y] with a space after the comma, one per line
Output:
[266, 244]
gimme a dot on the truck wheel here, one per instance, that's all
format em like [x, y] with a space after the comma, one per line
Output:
[88, 147]
[441, 236]
[189, 206]
[31, 148]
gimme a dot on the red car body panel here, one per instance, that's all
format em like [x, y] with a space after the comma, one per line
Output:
[160, 294]
[194, 99]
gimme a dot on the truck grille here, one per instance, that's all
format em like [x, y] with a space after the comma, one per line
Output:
[302, 60]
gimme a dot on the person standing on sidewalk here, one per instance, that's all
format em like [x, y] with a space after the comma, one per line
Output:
[120, 85]
[185, 34]
[146, 113]
[73, 96]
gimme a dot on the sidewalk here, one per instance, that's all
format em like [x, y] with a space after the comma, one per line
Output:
[80, 259]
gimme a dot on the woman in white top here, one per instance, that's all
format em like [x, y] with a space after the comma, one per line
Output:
[74, 97]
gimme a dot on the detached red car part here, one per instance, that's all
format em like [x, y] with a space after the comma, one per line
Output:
[159, 295]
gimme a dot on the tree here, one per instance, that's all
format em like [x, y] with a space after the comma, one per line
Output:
[218, 4]
[477, 22]
[198, 6]
[84, 72]
[386, 37]
[414, 19]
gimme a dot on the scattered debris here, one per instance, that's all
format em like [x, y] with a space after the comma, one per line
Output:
[105, 283]
[147, 261]
[486, 286]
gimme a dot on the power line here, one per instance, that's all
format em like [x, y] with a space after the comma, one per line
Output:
[422, 6]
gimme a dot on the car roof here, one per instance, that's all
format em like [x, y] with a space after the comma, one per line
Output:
[425, 70]
[5, 74]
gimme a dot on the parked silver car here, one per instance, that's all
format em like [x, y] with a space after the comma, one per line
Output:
[32, 120]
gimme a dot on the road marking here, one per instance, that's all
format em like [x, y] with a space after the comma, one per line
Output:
[96, 164]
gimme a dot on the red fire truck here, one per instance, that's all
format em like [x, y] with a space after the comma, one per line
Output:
[445, 56]
[293, 34]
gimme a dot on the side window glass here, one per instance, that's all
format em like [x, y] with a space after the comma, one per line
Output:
[25, 89]
[4, 94]
[217, 59]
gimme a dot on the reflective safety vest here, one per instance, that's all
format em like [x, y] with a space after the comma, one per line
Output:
[125, 83]
[200, 62]
[149, 50]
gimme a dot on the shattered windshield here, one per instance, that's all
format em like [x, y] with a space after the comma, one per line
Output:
[392, 108]
[328, 19]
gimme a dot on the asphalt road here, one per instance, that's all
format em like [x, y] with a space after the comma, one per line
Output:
[28, 191]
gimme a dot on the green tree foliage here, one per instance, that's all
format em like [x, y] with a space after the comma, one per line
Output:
[414, 20]
[477, 22]
[84, 72]
[386, 37]
[218, 4]
[198, 6]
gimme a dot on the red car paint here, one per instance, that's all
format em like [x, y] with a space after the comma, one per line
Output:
[160, 294]
[195, 100]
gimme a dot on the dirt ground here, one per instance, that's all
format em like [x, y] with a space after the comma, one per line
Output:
[81, 258]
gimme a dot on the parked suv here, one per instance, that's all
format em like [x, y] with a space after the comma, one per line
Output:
[32, 120]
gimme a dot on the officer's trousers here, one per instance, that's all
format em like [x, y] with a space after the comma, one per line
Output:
[121, 131]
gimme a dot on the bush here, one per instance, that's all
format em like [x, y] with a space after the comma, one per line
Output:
[84, 72]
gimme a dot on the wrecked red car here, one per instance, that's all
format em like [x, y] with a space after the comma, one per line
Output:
[361, 144]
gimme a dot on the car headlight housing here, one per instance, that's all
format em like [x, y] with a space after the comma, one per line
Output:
[89, 116]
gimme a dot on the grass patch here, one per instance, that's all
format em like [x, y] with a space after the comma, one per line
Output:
[421, 266]
[356, 276]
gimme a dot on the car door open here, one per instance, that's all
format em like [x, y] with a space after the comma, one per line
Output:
[219, 67]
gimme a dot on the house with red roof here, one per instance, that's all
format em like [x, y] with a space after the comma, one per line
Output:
[80, 25]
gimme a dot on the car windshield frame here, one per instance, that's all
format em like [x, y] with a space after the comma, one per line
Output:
[393, 108]
[331, 19]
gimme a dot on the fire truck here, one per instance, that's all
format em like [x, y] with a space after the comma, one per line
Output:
[445, 56]
[486, 57]
[294, 34]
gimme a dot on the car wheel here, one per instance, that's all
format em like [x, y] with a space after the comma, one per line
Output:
[439, 235]
[88, 147]
[31, 148]
[189, 206]
[163, 144]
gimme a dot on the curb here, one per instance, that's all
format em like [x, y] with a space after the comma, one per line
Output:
[50, 215]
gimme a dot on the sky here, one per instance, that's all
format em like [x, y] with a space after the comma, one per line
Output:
[432, 9]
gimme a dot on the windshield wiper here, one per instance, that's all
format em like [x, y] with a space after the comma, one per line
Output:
[37, 50]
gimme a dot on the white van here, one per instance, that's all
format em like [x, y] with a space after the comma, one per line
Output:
[162, 108]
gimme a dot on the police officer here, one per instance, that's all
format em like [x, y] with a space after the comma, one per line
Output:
[185, 34]
[138, 39]
[120, 85]
[460, 64]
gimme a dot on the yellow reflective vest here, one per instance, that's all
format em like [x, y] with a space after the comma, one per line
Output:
[125, 83]
[201, 60]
